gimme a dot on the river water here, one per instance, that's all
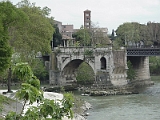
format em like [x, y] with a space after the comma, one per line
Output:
[143, 106]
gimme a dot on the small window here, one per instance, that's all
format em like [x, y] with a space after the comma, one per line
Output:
[87, 14]
[87, 23]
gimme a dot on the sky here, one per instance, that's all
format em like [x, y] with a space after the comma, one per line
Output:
[104, 13]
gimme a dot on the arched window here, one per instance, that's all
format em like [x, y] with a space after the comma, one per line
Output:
[103, 63]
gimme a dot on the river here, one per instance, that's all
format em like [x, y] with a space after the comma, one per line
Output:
[143, 106]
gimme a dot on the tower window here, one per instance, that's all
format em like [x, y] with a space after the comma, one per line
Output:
[87, 23]
[87, 14]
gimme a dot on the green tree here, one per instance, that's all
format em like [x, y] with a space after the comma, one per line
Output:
[85, 74]
[28, 29]
[57, 37]
[153, 33]
[112, 35]
[22, 71]
[99, 36]
[131, 72]
[35, 35]
[132, 33]
[8, 16]
[145, 35]
[39, 70]
[128, 33]
[83, 37]
[5, 52]
[30, 92]
[154, 65]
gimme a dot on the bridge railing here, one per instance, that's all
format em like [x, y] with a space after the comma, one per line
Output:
[143, 47]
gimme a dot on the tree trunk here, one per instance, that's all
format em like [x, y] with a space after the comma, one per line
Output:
[9, 80]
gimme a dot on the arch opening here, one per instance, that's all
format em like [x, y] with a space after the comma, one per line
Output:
[103, 63]
[71, 70]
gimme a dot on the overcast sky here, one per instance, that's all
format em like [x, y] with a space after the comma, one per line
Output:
[104, 13]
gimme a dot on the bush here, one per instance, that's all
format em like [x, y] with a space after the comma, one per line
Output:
[85, 74]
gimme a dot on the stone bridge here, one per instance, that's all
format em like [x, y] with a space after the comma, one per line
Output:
[109, 66]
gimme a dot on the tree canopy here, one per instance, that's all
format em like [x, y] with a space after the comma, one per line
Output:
[133, 33]
[25, 29]
[99, 36]
[57, 37]
[37, 32]
[83, 37]
[9, 15]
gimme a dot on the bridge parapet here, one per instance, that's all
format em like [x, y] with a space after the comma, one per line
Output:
[81, 50]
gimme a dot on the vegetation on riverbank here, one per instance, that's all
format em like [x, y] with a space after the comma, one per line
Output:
[154, 65]
[3, 100]
[30, 92]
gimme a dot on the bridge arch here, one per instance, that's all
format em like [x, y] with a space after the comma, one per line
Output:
[79, 60]
[70, 69]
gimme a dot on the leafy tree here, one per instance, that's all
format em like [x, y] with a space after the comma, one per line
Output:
[28, 30]
[144, 36]
[9, 14]
[23, 71]
[129, 33]
[30, 92]
[99, 36]
[131, 72]
[83, 37]
[133, 33]
[85, 74]
[39, 69]
[112, 36]
[5, 52]
[154, 65]
[153, 32]
[57, 37]
[35, 35]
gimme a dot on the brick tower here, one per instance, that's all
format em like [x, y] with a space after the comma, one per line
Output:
[87, 19]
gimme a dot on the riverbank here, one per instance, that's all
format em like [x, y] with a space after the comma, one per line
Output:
[17, 106]
[132, 88]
